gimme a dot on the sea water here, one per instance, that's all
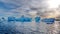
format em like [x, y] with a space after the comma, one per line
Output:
[25, 25]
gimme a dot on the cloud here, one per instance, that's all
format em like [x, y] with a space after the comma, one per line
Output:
[18, 7]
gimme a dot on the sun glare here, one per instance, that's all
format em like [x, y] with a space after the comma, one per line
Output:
[53, 3]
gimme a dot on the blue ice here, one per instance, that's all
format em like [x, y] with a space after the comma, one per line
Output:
[48, 20]
[37, 19]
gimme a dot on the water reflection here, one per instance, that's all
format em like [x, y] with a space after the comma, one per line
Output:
[14, 27]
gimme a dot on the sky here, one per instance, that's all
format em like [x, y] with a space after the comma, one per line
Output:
[16, 7]
[25, 7]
